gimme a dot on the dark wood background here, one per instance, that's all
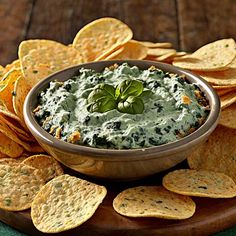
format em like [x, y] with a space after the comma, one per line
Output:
[188, 24]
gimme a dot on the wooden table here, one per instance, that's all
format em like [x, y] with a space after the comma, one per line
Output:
[188, 24]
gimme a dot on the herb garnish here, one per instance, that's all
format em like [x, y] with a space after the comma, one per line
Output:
[129, 88]
[132, 105]
[102, 98]
[126, 97]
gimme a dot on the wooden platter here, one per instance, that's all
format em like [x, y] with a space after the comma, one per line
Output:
[212, 215]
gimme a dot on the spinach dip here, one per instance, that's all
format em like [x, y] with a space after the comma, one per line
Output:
[122, 107]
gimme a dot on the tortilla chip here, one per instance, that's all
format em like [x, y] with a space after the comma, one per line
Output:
[6, 93]
[228, 117]
[114, 54]
[232, 65]
[16, 127]
[160, 51]
[131, 50]
[156, 45]
[165, 56]
[101, 37]
[217, 153]
[180, 54]
[16, 160]
[222, 92]
[6, 112]
[28, 138]
[214, 56]
[47, 165]
[170, 59]
[19, 185]
[14, 65]
[64, 203]
[9, 147]
[43, 61]
[224, 86]
[8, 161]
[227, 99]
[12, 116]
[200, 183]
[13, 161]
[21, 89]
[1, 71]
[153, 201]
[13, 136]
[223, 78]
[34, 44]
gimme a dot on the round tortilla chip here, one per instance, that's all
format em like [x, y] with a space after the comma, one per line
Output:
[156, 52]
[4, 111]
[224, 86]
[9, 147]
[19, 185]
[131, 50]
[64, 203]
[13, 136]
[200, 183]
[113, 54]
[170, 58]
[8, 161]
[232, 65]
[41, 62]
[47, 165]
[99, 38]
[228, 99]
[180, 54]
[25, 138]
[153, 201]
[21, 89]
[156, 45]
[6, 93]
[214, 56]
[1, 71]
[228, 117]
[11, 161]
[222, 92]
[217, 153]
[16, 127]
[26, 46]
[225, 77]
[165, 56]
[14, 65]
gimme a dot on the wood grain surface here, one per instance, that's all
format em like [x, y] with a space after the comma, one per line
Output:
[186, 24]
[205, 21]
[211, 216]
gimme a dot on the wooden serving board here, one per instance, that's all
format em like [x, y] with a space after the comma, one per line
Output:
[212, 215]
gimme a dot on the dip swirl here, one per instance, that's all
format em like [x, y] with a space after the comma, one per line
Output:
[173, 108]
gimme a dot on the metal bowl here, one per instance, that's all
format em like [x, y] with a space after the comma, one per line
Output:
[121, 164]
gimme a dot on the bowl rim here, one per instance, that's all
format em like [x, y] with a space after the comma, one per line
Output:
[146, 153]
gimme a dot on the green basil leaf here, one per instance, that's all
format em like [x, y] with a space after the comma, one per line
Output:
[132, 105]
[102, 98]
[146, 94]
[128, 88]
[102, 105]
[101, 90]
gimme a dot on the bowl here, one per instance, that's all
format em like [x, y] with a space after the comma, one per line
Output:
[121, 165]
